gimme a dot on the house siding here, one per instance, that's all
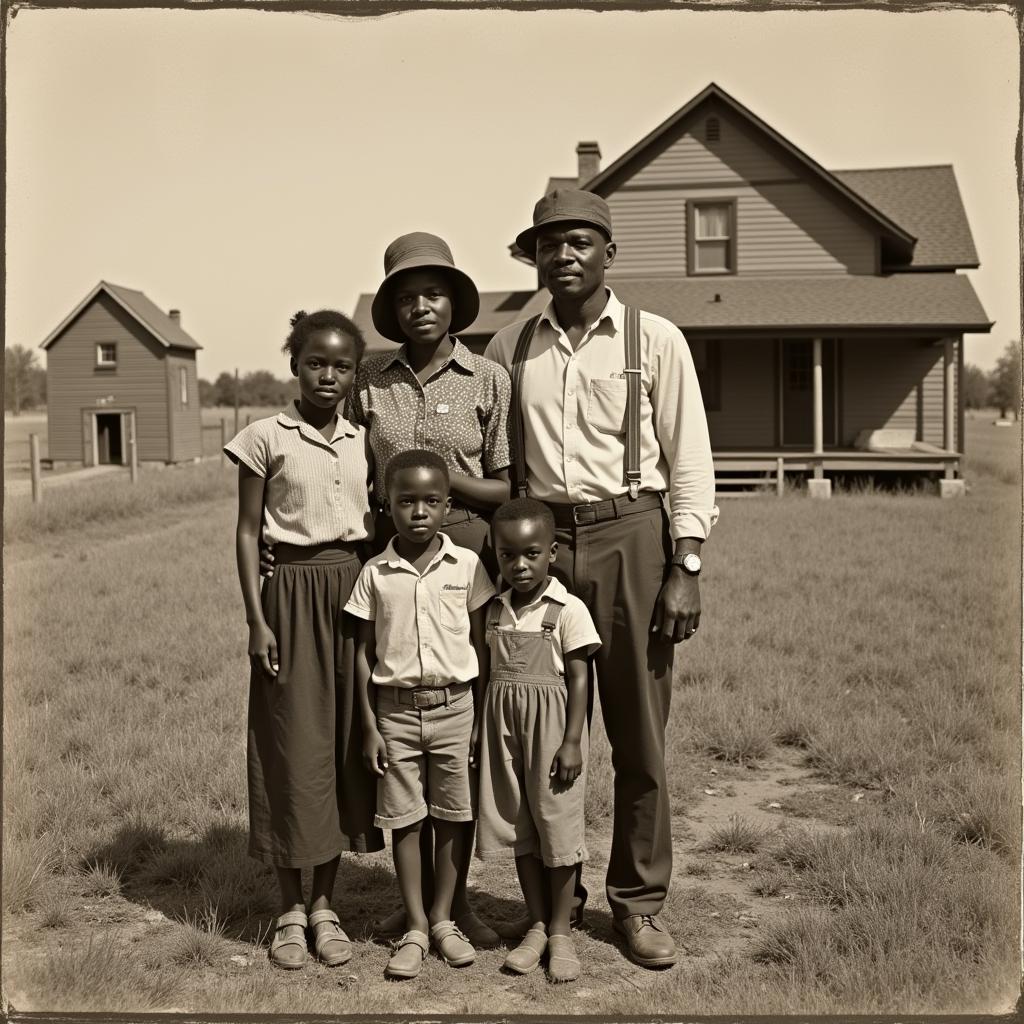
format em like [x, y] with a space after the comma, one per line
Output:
[896, 384]
[785, 222]
[186, 422]
[73, 382]
[746, 416]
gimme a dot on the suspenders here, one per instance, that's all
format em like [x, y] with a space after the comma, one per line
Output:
[547, 627]
[633, 374]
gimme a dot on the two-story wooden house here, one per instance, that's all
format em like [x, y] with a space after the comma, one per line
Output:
[824, 309]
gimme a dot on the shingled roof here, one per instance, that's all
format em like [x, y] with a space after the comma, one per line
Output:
[927, 202]
[166, 331]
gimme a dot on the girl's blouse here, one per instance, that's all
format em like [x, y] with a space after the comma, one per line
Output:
[316, 490]
[461, 412]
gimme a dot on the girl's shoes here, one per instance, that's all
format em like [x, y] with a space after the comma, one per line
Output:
[333, 946]
[525, 958]
[408, 956]
[563, 963]
[289, 951]
[455, 949]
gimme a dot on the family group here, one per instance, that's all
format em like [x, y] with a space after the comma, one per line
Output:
[392, 687]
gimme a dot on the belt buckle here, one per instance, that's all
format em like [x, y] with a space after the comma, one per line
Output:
[581, 510]
[426, 695]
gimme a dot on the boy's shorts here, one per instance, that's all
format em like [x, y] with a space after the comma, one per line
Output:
[521, 805]
[428, 759]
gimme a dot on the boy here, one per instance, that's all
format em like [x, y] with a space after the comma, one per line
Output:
[533, 740]
[421, 645]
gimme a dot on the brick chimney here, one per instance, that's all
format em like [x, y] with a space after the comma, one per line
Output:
[588, 157]
[175, 315]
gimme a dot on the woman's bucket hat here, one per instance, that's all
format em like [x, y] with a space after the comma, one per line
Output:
[565, 204]
[416, 251]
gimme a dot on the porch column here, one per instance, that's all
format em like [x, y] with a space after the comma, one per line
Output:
[818, 487]
[948, 405]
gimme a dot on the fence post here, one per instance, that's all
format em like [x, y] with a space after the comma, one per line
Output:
[223, 441]
[37, 482]
[133, 451]
[780, 477]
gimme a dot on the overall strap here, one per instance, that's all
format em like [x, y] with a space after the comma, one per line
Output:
[633, 374]
[516, 409]
[550, 619]
[493, 614]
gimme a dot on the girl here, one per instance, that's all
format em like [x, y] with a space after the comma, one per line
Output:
[434, 393]
[302, 487]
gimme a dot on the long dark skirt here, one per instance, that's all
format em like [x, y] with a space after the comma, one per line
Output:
[310, 797]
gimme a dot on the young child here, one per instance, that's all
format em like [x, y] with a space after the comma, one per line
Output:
[302, 485]
[420, 652]
[533, 749]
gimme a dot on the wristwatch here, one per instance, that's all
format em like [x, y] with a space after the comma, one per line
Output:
[689, 563]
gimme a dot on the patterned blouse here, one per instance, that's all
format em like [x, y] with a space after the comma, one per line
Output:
[461, 412]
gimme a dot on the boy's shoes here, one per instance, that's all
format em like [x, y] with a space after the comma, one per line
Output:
[408, 956]
[648, 943]
[479, 933]
[455, 949]
[525, 958]
[288, 950]
[333, 946]
[563, 963]
[391, 926]
[515, 930]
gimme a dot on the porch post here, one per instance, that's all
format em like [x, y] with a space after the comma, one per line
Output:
[818, 487]
[948, 406]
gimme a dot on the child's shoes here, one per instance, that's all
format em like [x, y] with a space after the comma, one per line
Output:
[455, 949]
[526, 956]
[563, 963]
[480, 934]
[333, 946]
[408, 956]
[289, 951]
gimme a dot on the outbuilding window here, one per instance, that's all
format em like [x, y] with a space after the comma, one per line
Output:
[106, 355]
[711, 236]
[183, 384]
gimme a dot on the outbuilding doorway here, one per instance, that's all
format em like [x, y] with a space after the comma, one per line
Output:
[110, 438]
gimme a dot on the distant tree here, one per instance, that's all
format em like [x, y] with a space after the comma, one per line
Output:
[224, 389]
[258, 387]
[207, 393]
[1004, 380]
[21, 379]
[976, 387]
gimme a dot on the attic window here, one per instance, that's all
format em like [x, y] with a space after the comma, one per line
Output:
[106, 355]
[712, 130]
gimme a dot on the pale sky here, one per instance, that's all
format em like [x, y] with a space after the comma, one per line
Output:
[240, 165]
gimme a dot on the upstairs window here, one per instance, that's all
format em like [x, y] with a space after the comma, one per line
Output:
[106, 355]
[711, 230]
[183, 384]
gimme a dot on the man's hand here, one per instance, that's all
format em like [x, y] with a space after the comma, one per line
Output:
[375, 752]
[266, 560]
[677, 611]
[263, 647]
[567, 763]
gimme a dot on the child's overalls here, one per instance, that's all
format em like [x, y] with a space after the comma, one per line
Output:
[521, 805]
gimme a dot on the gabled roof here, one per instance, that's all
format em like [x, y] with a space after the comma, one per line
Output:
[157, 322]
[601, 183]
[926, 201]
[496, 310]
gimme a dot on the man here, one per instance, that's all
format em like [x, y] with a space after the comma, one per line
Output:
[636, 567]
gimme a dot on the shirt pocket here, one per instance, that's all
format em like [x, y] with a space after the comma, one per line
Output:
[453, 613]
[607, 410]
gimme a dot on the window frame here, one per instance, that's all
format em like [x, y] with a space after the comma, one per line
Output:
[691, 236]
[183, 386]
[106, 364]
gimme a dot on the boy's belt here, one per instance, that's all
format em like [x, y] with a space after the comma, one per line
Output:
[601, 511]
[425, 697]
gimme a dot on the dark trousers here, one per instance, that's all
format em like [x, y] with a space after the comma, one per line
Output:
[617, 569]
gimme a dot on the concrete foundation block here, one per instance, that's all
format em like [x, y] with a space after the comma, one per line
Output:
[952, 488]
[819, 488]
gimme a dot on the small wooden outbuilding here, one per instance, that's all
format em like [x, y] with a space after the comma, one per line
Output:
[117, 354]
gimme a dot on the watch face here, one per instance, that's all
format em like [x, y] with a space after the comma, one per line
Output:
[691, 563]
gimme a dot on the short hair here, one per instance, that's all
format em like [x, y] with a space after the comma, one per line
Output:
[304, 324]
[522, 509]
[416, 458]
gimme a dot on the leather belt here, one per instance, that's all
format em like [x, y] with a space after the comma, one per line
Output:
[601, 511]
[425, 697]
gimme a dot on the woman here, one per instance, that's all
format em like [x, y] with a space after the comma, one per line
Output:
[433, 393]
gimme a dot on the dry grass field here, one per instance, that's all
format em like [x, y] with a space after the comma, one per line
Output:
[844, 754]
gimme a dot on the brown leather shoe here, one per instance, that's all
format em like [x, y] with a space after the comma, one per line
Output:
[647, 941]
